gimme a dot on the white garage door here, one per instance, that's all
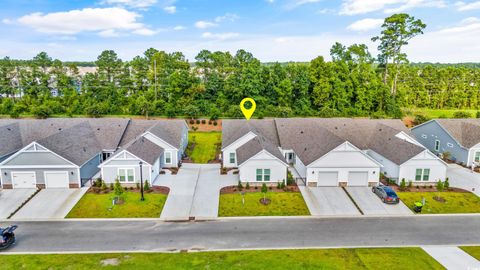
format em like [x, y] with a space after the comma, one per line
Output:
[56, 179]
[327, 179]
[358, 179]
[24, 180]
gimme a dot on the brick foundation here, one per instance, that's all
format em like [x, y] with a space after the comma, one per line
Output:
[41, 186]
[7, 186]
[73, 186]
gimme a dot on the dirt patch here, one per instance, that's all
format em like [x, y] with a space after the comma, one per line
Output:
[439, 199]
[235, 189]
[207, 126]
[265, 201]
[408, 121]
[110, 262]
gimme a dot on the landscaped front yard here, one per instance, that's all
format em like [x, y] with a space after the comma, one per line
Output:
[281, 204]
[450, 202]
[473, 251]
[203, 146]
[94, 205]
[372, 258]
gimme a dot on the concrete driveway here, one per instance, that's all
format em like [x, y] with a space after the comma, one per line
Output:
[463, 178]
[51, 203]
[370, 204]
[194, 191]
[12, 199]
[328, 201]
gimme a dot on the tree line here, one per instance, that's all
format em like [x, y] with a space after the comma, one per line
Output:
[353, 83]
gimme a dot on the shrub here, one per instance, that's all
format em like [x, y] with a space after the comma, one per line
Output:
[256, 187]
[477, 115]
[210, 122]
[204, 121]
[240, 186]
[420, 119]
[279, 186]
[191, 121]
[111, 186]
[461, 114]
[282, 185]
[446, 184]
[198, 122]
[104, 186]
[440, 185]
[247, 186]
[146, 186]
[290, 179]
[446, 155]
[98, 182]
[215, 123]
[402, 185]
[118, 188]
[42, 111]
[410, 184]
[137, 185]
[264, 188]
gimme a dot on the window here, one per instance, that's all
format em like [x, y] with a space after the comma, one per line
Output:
[263, 175]
[437, 145]
[232, 157]
[477, 157]
[422, 174]
[168, 157]
[126, 175]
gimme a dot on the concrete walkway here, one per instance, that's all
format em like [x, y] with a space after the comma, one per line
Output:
[452, 257]
[12, 199]
[194, 191]
[51, 203]
[461, 177]
[370, 204]
[328, 201]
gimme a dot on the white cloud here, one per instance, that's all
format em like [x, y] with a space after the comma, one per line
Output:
[296, 3]
[7, 21]
[205, 24]
[227, 17]
[105, 21]
[131, 3]
[179, 28]
[325, 11]
[220, 36]
[354, 7]
[170, 9]
[365, 25]
[462, 6]
[144, 32]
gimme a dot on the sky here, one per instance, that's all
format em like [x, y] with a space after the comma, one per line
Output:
[273, 30]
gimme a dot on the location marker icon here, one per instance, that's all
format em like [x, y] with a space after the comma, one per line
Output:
[248, 112]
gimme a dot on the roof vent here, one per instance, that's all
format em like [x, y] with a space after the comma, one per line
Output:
[336, 127]
[98, 128]
[59, 128]
[9, 129]
[84, 149]
[379, 129]
[301, 132]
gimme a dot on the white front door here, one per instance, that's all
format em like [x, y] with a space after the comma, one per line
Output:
[327, 179]
[56, 179]
[357, 179]
[24, 180]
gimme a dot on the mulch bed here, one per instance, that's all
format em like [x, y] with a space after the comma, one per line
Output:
[206, 127]
[428, 189]
[234, 189]
[155, 189]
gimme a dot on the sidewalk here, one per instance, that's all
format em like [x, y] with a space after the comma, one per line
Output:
[452, 257]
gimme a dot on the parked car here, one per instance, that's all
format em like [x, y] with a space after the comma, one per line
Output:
[386, 194]
[7, 237]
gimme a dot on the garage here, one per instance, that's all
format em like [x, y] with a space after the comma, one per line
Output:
[56, 179]
[358, 179]
[24, 180]
[327, 179]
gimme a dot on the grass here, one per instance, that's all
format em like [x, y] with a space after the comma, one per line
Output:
[206, 146]
[456, 202]
[373, 258]
[437, 113]
[473, 251]
[282, 204]
[98, 206]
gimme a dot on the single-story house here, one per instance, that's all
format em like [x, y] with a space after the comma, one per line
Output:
[62, 153]
[335, 151]
[161, 144]
[457, 138]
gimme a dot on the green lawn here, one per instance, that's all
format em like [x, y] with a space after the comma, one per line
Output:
[473, 251]
[99, 206]
[282, 204]
[206, 146]
[373, 258]
[436, 113]
[456, 202]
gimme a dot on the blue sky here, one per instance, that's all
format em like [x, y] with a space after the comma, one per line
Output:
[273, 30]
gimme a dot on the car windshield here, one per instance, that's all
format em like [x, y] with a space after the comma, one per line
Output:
[391, 193]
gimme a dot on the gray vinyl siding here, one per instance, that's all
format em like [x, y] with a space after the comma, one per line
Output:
[90, 168]
[72, 174]
[37, 159]
[183, 144]
[435, 131]
[110, 174]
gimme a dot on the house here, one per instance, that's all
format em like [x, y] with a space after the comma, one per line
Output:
[151, 144]
[336, 151]
[66, 153]
[253, 147]
[457, 138]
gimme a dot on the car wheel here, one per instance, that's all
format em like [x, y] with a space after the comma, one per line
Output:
[383, 200]
[373, 190]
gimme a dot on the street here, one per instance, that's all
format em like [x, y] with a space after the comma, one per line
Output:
[156, 235]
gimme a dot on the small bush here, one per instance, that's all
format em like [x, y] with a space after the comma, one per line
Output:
[118, 188]
[256, 187]
[215, 123]
[446, 184]
[210, 122]
[279, 186]
[290, 179]
[477, 115]
[282, 185]
[402, 185]
[204, 121]
[240, 186]
[137, 185]
[191, 121]
[420, 119]
[440, 185]
[198, 122]
[264, 188]
[104, 186]
[410, 184]
[111, 186]
[146, 186]
[461, 114]
[247, 186]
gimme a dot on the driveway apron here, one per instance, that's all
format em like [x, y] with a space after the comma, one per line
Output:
[461, 177]
[12, 199]
[370, 204]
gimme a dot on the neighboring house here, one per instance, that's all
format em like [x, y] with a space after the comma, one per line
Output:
[459, 137]
[62, 153]
[157, 144]
[333, 152]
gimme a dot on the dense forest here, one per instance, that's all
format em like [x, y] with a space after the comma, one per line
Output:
[353, 83]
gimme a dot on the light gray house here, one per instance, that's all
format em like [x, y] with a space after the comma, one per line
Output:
[157, 144]
[459, 137]
[62, 153]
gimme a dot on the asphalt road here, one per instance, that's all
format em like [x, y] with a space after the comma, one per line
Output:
[154, 235]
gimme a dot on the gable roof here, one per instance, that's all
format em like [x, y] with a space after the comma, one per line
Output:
[233, 130]
[145, 150]
[169, 130]
[465, 131]
[255, 146]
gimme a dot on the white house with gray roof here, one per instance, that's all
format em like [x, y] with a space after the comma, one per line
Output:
[65, 153]
[333, 152]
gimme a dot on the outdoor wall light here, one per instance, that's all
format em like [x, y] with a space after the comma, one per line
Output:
[71, 173]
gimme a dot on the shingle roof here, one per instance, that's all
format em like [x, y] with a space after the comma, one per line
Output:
[233, 130]
[255, 146]
[169, 131]
[145, 149]
[465, 131]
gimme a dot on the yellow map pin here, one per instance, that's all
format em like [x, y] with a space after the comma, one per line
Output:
[248, 112]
